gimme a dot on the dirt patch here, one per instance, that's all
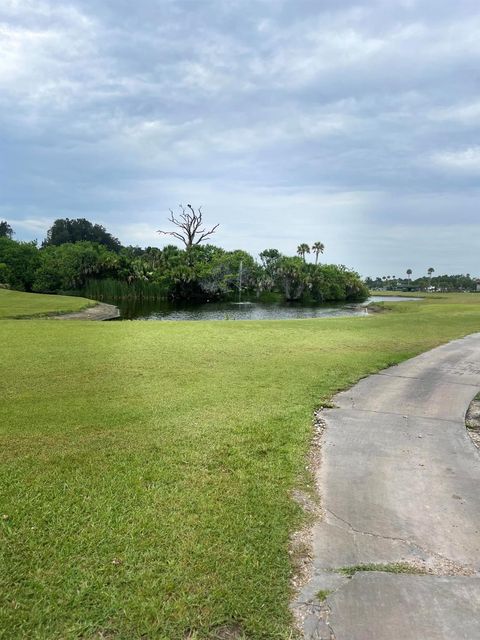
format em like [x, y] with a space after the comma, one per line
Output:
[439, 566]
[227, 632]
[100, 311]
[472, 421]
[375, 308]
[301, 542]
[230, 631]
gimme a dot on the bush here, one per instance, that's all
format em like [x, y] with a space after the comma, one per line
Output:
[19, 262]
[70, 266]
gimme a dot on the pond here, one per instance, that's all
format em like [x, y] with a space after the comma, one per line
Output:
[156, 310]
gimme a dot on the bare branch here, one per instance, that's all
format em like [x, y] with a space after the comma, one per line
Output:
[206, 234]
[190, 223]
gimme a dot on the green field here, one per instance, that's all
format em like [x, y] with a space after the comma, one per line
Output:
[147, 466]
[16, 304]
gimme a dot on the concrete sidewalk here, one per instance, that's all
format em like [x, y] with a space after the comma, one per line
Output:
[400, 483]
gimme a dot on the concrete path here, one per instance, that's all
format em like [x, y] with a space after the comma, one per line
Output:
[400, 483]
[100, 311]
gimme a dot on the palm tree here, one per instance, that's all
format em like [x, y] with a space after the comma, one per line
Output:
[409, 273]
[294, 277]
[317, 248]
[430, 271]
[302, 250]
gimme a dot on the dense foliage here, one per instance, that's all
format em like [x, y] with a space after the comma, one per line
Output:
[199, 272]
[65, 231]
[6, 230]
[19, 262]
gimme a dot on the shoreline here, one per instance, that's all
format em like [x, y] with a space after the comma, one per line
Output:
[100, 312]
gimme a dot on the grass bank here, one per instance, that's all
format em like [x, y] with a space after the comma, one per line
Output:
[147, 466]
[17, 304]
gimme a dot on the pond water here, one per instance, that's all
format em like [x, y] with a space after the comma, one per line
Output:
[155, 310]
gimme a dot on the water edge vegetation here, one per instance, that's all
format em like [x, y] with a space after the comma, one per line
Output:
[83, 258]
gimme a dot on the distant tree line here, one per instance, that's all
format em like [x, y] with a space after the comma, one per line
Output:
[427, 282]
[80, 257]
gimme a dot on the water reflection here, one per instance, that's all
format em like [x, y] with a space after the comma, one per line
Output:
[155, 310]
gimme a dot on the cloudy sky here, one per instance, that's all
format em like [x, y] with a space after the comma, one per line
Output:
[353, 123]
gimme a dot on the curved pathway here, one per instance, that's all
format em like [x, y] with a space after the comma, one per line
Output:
[101, 311]
[400, 485]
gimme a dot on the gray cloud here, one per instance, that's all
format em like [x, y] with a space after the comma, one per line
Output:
[355, 123]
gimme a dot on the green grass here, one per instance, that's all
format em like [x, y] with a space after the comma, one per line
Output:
[403, 294]
[147, 466]
[397, 567]
[17, 304]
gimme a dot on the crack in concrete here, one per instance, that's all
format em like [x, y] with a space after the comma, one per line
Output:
[394, 413]
[391, 375]
[364, 533]
[326, 620]
[319, 627]
[455, 567]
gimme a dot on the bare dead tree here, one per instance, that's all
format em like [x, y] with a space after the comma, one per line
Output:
[189, 223]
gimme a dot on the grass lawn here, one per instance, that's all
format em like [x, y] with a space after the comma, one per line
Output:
[147, 466]
[16, 304]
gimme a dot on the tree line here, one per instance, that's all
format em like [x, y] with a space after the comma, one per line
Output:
[78, 256]
[426, 282]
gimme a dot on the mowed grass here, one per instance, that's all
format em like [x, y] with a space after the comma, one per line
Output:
[17, 304]
[147, 466]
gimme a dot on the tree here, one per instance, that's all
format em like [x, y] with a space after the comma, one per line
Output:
[20, 260]
[268, 275]
[65, 231]
[317, 248]
[430, 272]
[5, 276]
[221, 277]
[6, 230]
[270, 259]
[302, 250]
[70, 266]
[292, 277]
[334, 282]
[269, 256]
[409, 273]
[189, 222]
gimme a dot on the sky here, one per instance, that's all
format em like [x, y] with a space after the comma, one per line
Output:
[351, 123]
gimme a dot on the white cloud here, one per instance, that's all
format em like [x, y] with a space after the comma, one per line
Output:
[140, 233]
[465, 160]
[290, 121]
[35, 227]
[464, 113]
